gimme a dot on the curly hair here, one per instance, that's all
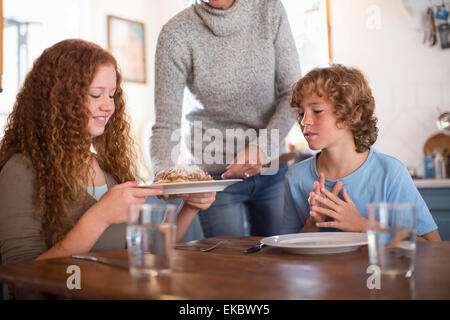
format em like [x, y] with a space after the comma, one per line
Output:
[348, 90]
[49, 127]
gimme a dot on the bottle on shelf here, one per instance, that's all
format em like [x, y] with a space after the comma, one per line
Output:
[428, 166]
[440, 164]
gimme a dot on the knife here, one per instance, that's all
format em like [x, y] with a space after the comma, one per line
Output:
[254, 248]
[120, 264]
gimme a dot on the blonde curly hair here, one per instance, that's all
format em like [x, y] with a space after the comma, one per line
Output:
[351, 95]
[49, 127]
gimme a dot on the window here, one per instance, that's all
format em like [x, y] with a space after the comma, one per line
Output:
[309, 23]
[310, 26]
[28, 32]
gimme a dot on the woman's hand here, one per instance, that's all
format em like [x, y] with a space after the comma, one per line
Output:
[246, 164]
[113, 205]
[344, 212]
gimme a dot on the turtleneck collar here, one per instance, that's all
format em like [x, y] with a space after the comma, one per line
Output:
[226, 22]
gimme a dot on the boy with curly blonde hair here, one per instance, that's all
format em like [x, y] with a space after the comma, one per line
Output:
[336, 114]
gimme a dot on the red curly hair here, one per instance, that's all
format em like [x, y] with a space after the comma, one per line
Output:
[348, 90]
[49, 127]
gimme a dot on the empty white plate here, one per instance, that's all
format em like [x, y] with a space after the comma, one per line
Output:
[317, 242]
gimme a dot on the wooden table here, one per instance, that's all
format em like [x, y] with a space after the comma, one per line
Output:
[227, 273]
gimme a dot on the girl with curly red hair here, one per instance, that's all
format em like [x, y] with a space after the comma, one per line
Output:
[57, 198]
[335, 110]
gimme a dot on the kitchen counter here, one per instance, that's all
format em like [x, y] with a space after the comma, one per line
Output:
[436, 194]
[432, 183]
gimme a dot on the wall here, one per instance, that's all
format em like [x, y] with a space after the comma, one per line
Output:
[140, 97]
[86, 19]
[51, 21]
[409, 79]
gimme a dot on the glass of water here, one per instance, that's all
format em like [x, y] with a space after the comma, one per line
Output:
[150, 238]
[391, 233]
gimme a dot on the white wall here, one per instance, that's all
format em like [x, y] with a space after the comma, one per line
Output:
[409, 79]
[87, 19]
[140, 97]
[51, 21]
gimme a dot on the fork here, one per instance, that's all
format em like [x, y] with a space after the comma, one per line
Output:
[212, 247]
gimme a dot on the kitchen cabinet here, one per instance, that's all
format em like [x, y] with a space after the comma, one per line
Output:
[438, 201]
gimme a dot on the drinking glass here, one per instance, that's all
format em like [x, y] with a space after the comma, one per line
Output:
[391, 233]
[150, 238]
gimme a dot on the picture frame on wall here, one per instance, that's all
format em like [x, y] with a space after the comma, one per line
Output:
[126, 41]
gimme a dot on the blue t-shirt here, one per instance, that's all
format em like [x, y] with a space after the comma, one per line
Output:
[381, 178]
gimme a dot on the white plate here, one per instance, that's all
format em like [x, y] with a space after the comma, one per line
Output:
[194, 186]
[317, 242]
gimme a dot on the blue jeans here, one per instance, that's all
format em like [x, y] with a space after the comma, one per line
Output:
[251, 207]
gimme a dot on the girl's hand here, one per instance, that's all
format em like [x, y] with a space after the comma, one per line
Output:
[199, 201]
[345, 213]
[318, 185]
[169, 197]
[248, 163]
[113, 205]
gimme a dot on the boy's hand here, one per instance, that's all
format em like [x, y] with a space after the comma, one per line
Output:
[318, 185]
[345, 213]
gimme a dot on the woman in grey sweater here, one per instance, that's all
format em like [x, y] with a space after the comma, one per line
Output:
[238, 58]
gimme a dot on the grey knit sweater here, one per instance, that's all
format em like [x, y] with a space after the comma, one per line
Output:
[240, 64]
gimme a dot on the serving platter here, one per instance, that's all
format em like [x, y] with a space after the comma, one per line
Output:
[193, 186]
